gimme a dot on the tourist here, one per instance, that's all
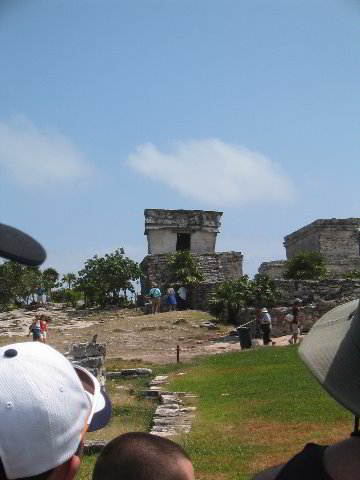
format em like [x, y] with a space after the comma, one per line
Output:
[155, 295]
[265, 325]
[294, 325]
[331, 351]
[143, 456]
[47, 405]
[182, 292]
[43, 327]
[171, 299]
[35, 328]
[41, 297]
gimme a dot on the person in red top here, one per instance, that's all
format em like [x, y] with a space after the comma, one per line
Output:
[43, 328]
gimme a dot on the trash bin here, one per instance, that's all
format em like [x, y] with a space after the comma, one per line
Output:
[244, 337]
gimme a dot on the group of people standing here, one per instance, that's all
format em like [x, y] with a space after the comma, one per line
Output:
[266, 326]
[173, 298]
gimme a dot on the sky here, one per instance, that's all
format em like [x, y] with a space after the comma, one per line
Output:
[108, 107]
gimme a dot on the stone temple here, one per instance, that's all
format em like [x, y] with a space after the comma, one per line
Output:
[338, 240]
[194, 230]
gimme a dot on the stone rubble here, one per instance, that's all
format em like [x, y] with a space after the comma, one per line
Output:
[129, 373]
[171, 417]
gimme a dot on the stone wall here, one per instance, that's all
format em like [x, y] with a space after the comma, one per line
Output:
[335, 291]
[92, 357]
[273, 269]
[318, 297]
[163, 226]
[215, 267]
[336, 239]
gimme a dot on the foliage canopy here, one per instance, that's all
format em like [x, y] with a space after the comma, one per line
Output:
[183, 268]
[231, 296]
[306, 265]
[103, 278]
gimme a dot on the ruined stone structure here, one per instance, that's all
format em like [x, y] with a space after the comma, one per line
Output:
[194, 230]
[272, 269]
[171, 230]
[338, 240]
[90, 356]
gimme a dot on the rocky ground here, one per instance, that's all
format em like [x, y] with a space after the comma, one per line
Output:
[129, 334]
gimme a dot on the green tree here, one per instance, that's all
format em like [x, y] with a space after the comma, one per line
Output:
[31, 279]
[230, 296]
[17, 283]
[183, 269]
[69, 278]
[264, 291]
[306, 265]
[50, 278]
[104, 278]
[10, 279]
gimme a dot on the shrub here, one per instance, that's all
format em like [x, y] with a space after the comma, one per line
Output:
[306, 265]
[353, 274]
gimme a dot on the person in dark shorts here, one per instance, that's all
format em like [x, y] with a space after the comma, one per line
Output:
[331, 351]
[35, 328]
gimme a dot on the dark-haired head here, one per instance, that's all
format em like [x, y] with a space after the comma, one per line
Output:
[142, 456]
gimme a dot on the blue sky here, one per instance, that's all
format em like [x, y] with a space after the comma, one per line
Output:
[108, 107]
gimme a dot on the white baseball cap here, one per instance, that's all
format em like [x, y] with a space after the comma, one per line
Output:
[46, 406]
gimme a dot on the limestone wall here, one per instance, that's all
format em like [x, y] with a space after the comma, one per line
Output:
[336, 239]
[334, 290]
[273, 269]
[214, 266]
[92, 357]
[163, 226]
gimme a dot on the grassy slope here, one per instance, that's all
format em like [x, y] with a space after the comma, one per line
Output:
[255, 409]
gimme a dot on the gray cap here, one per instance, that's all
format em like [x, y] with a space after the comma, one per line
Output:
[332, 352]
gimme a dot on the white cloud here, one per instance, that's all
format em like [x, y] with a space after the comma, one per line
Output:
[39, 158]
[214, 172]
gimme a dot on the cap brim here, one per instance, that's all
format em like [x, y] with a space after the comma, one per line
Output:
[331, 351]
[20, 247]
[102, 414]
[101, 408]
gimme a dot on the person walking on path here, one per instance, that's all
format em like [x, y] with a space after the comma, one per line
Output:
[265, 325]
[171, 299]
[294, 325]
[155, 295]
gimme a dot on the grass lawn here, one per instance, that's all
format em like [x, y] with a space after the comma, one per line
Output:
[255, 409]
